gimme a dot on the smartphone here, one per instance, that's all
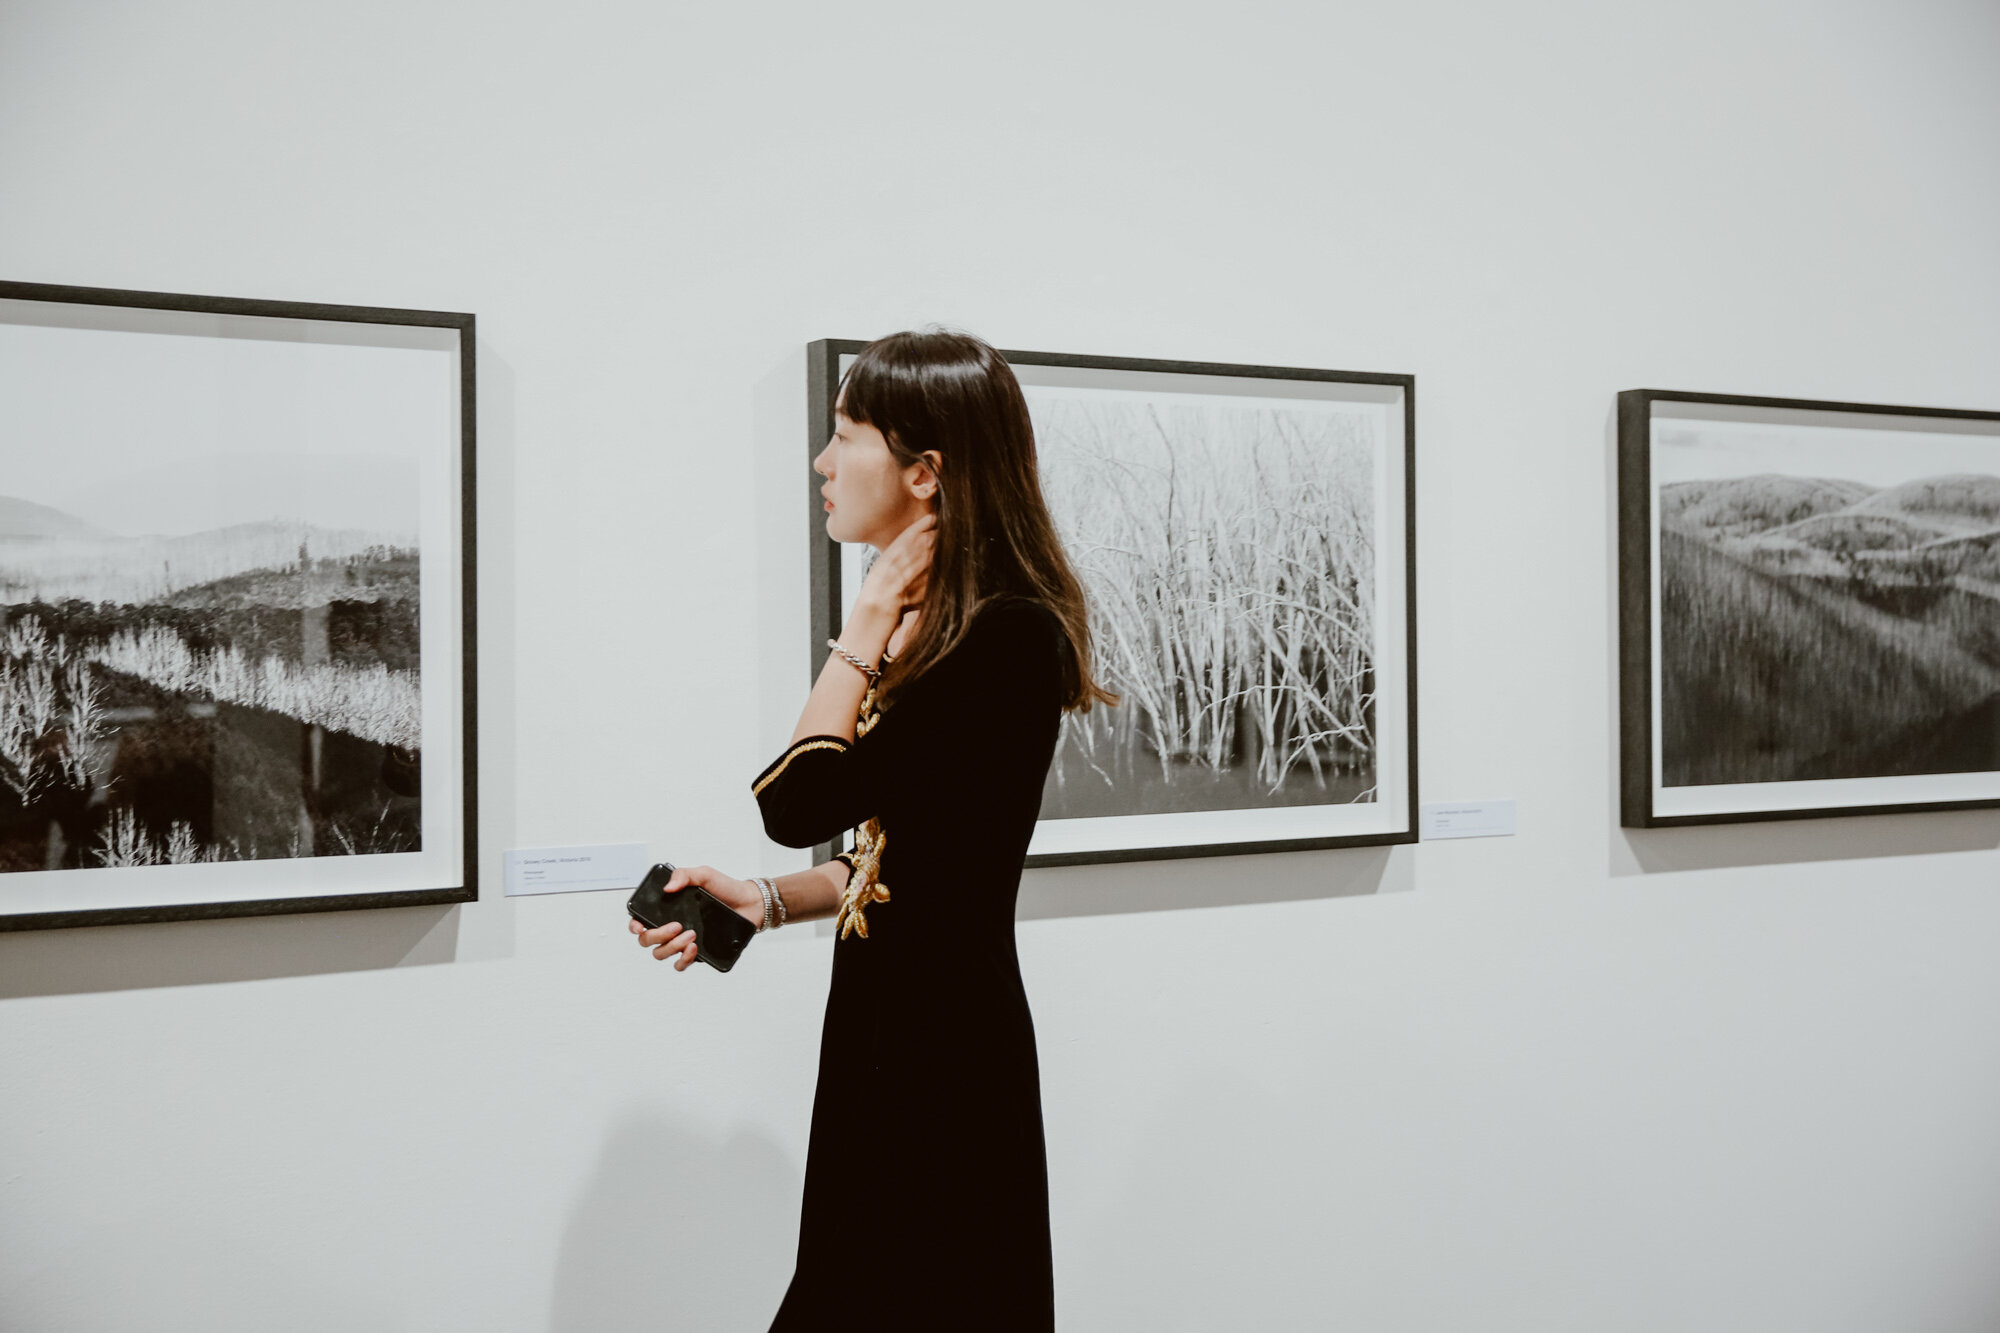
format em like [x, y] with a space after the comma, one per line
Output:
[720, 932]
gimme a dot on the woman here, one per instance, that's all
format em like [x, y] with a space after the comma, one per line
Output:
[931, 728]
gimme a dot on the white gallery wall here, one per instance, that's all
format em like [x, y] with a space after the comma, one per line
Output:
[1739, 1078]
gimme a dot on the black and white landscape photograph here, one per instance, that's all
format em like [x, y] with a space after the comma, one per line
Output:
[1828, 605]
[1229, 555]
[1243, 545]
[213, 621]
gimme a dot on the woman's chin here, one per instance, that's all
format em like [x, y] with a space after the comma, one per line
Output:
[838, 530]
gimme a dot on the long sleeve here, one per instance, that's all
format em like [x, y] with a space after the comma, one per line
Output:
[982, 694]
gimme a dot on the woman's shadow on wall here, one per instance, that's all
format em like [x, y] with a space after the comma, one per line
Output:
[678, 1228]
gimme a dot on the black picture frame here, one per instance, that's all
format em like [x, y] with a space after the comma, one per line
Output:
[1638, 547]
[459, 327]
[823, 362]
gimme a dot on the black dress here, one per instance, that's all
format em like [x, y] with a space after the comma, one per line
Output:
[926, 1192]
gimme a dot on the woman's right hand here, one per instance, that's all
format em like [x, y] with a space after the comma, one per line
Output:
[669, 940]
[896, 581]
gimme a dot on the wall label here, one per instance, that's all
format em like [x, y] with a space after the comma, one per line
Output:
[614, 865]
[1468, 819]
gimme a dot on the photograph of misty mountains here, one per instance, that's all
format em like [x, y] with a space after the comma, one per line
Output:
[1828, 599]
[211, 619]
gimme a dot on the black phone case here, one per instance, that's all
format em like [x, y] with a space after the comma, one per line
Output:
[720, 933]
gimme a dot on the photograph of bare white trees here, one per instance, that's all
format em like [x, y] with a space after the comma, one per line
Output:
[1823, 608]
[1229, 552]
[1243, 535]
[218, 661]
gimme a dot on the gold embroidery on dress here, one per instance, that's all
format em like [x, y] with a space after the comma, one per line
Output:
[862, 886]
[792, 754]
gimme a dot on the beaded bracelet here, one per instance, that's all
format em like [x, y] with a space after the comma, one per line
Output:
[774, 902]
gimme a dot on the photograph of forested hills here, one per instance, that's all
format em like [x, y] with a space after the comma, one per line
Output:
[211, 550]
[243, 693]
[1827, 610]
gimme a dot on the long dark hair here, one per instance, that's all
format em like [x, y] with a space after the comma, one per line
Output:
[936, 389]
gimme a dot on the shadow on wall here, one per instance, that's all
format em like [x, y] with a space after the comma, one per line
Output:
[1797, 841]
[87, 959]
[1210, 881]
[678, 1228]
[1216, 1250]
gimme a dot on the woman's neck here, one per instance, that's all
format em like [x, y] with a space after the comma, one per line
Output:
[901, 634]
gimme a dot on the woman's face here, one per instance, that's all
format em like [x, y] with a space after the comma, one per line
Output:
[867, 496]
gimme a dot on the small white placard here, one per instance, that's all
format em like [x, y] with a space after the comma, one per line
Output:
[614, 865]
[1467, 819]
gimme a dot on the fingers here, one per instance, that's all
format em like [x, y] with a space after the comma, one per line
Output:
[669, 941]
[659, 934]
[920, 532]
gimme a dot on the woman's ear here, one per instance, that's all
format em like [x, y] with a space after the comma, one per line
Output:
[925, 484]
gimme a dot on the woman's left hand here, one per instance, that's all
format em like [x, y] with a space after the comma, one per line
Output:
[669, 940]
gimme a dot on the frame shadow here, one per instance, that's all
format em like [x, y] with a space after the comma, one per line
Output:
[80, 960]
[1119, 887]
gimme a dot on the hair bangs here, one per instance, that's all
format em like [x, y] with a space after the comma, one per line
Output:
[874, 394]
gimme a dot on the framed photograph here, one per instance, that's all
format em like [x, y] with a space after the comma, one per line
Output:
[236, 607]
[1246, 537]
[1809, 608]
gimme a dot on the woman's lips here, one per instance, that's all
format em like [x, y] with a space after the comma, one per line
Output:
[827, 505]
